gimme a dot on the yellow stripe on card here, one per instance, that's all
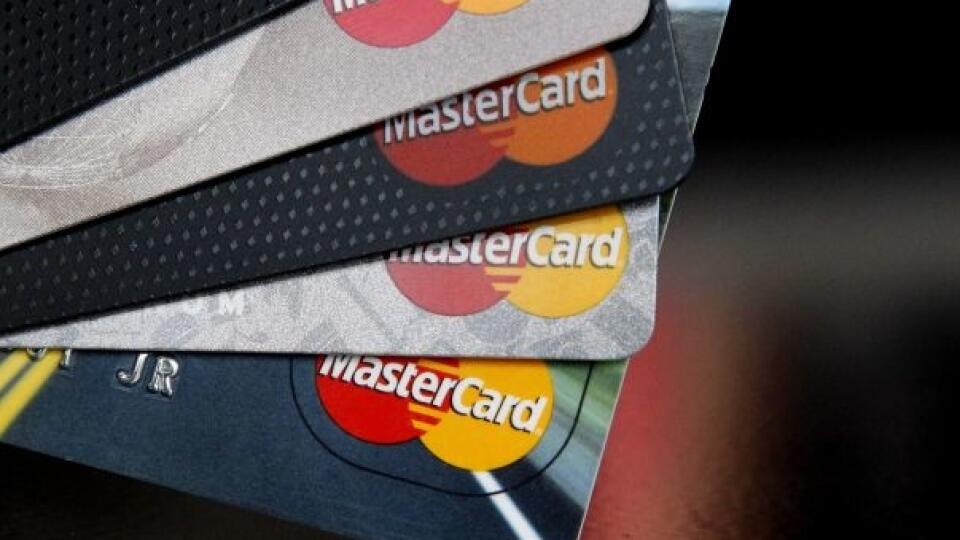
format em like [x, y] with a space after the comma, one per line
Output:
[22, 393]
[11, 367]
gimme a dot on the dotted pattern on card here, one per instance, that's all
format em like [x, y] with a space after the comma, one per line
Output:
[343, 199]
[58, 57]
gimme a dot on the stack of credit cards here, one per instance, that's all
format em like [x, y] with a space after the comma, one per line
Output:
[377, 267]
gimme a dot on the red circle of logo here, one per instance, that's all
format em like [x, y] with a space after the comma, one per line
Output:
[374, 417]
[390, 23]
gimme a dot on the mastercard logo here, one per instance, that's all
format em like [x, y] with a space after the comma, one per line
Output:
[554, 268]
[473, 415]
[399, 23]
[541, 118]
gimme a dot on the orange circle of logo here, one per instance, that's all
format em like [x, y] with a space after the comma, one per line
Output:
[486, 7]
[477, 415]
[544, 117]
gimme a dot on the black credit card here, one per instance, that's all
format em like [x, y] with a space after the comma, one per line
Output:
[605, 126]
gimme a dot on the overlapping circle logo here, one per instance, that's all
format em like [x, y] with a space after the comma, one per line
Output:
[399, 23]
[543, 117]
[473, 414]
[554, 268]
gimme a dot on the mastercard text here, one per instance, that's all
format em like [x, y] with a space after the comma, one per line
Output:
[544, 246]
[467, 396]
[530, 94]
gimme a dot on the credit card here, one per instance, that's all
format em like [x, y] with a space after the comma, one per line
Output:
[62, 57]
[574, 287]
[323, 69]
[362, 446]
[625, 135]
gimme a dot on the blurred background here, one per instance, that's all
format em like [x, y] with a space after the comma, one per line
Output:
[809, 311]
[806, 342]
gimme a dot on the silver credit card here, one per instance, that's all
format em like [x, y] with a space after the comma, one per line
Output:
[321, 70]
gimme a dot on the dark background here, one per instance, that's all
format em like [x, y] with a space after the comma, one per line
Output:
[810, 291]
[808, 321]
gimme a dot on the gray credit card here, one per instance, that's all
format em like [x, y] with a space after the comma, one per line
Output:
[364, 308]
[321, 70]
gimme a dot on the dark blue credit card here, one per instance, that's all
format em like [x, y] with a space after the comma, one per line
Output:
[371, 447]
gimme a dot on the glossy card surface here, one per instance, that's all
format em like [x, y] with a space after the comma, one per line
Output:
[323, 69]
[625, 135]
